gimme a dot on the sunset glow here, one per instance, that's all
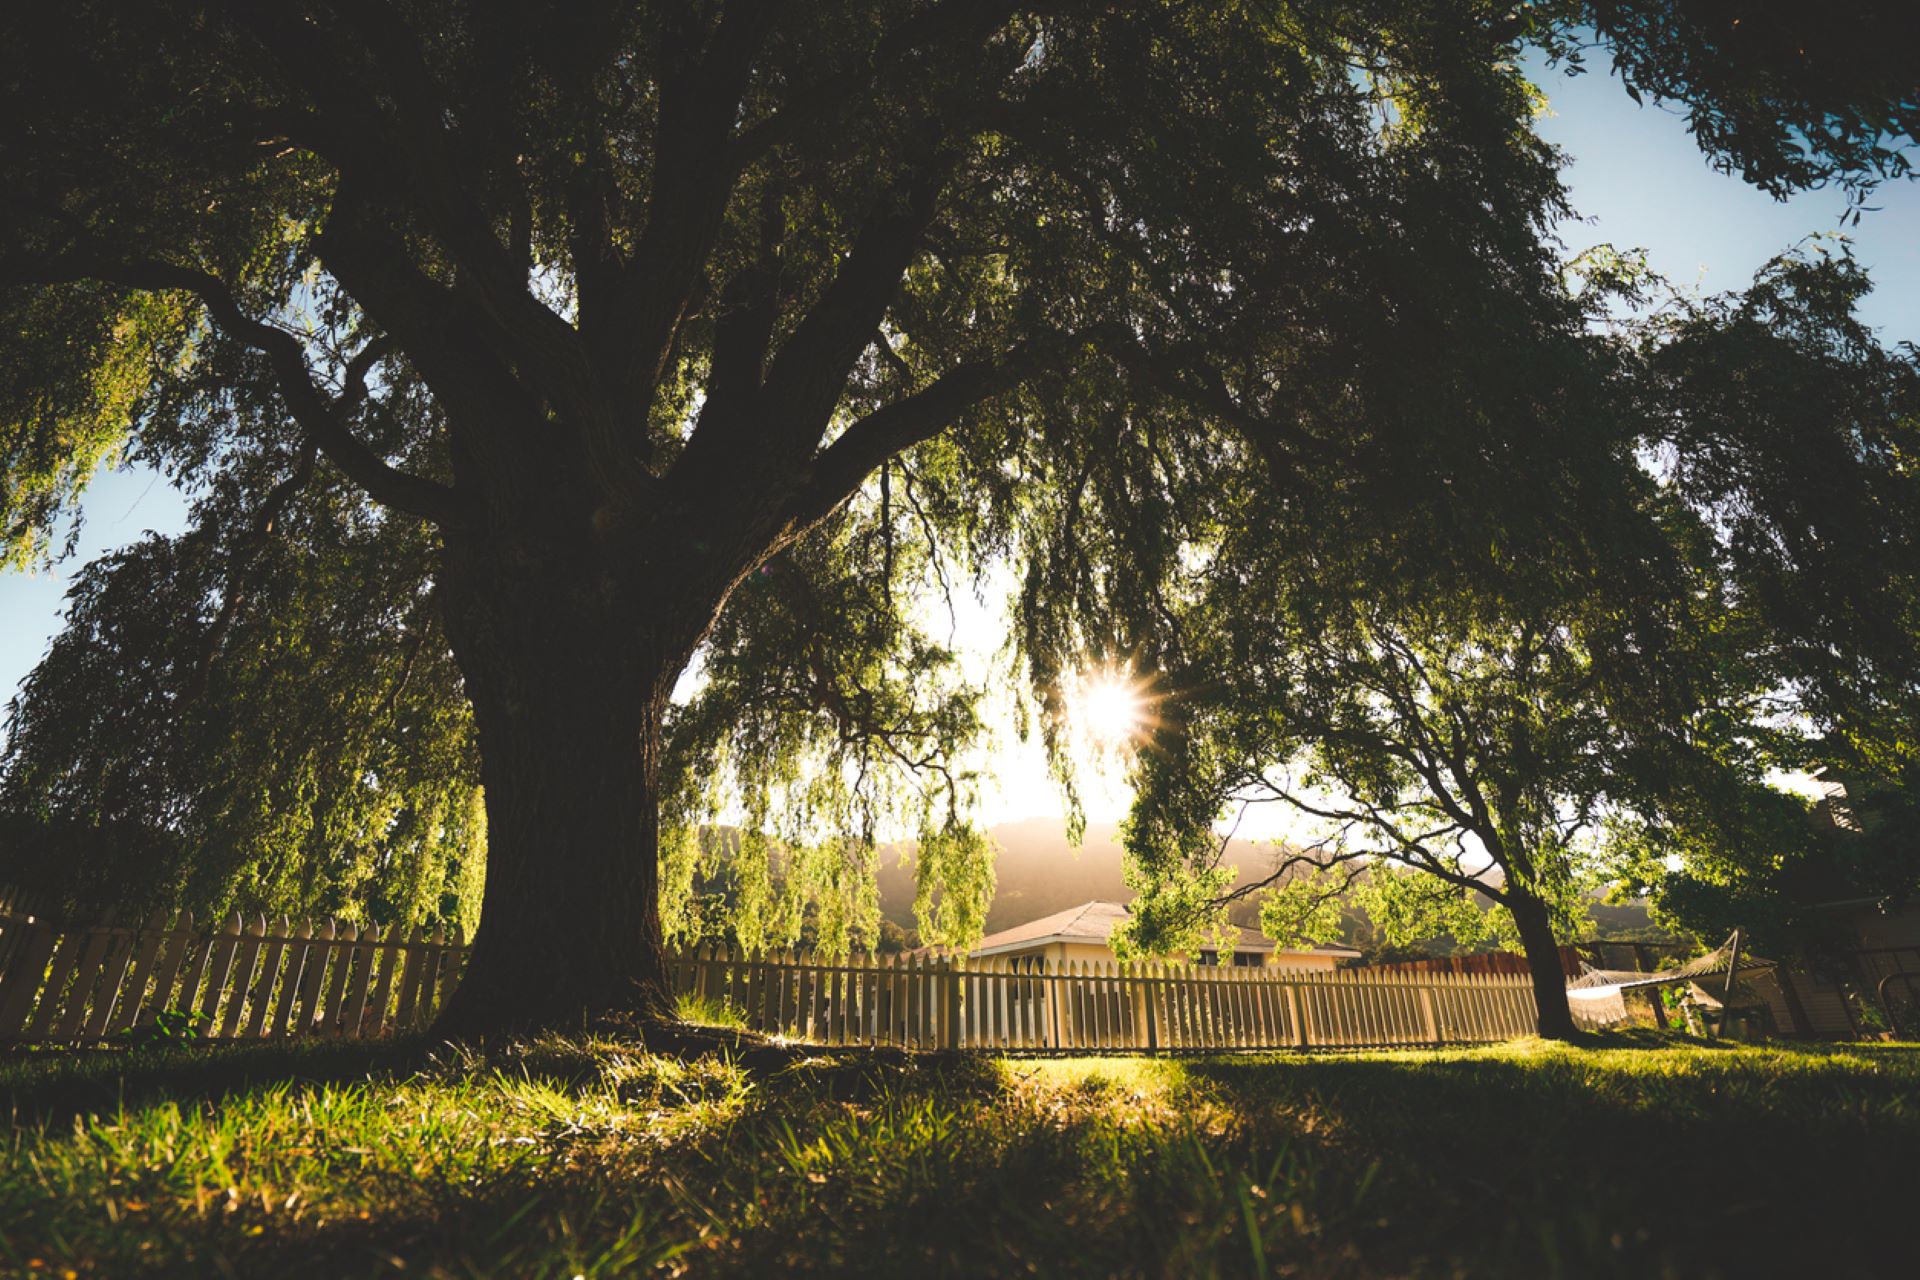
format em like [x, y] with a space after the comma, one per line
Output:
[1109, 709]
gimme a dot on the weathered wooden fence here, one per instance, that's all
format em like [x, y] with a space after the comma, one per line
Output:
[950, 1002]
[244, 980]
[255, 980]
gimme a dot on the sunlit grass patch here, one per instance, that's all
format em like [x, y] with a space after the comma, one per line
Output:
[591, 1156]
[707, 1011]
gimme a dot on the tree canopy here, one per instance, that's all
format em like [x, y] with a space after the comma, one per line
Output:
[536, 356]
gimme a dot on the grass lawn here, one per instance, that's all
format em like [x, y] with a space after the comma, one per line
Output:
[591, 1158]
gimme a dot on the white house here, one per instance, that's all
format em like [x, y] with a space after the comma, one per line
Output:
[1084, 933]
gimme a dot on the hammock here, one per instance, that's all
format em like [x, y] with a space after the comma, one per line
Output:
[1716, 961]
[1597, 996]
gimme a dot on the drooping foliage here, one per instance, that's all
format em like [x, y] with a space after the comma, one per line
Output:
[1788, 96]
[276, 703]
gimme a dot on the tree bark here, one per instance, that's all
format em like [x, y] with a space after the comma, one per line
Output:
[1555, 1015]
[568, 693]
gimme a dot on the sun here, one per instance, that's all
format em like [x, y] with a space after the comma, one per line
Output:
[1109, 708]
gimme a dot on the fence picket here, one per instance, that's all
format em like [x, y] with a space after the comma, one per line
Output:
[807, 992]
[340, 968]
[355, 1007]
[219, 961]
[375, 1021]
[1099, 991]
[433, 978]
[299, 949]
[307, 1013]
[1074, 1004]
[453, 963]
[1266, 997]
[133, 991]
[412, 978]
[776, 998]
[244, 960]
[836, 1004]
[66, 959]
[93, 960]
[277, 935]
[22, 982]
[750, 989]
[920, 998]
[867, 1029]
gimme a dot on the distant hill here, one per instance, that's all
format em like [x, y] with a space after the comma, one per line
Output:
[1040, 873]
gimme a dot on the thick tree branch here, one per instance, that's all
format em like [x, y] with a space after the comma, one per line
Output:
[1408, 849]
[808, 376]
[702, 79]
[844, 465]
[317, 415]
[409, 153]
[749, 307]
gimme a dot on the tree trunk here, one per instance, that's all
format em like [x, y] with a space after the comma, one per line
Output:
[1555, 1015]
[568, 698]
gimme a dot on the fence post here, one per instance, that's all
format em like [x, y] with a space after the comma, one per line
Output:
[950, 999]
[1142, 1007]
[1427, 1021]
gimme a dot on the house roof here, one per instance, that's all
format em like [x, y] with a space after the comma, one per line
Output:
[1093, 922]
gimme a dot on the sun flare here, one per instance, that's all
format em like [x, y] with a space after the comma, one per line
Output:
[1109, 709]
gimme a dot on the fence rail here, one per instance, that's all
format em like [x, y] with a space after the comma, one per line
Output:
[250, 980]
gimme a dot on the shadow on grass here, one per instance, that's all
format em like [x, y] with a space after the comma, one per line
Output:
[1677, 1159]
[55, 1085]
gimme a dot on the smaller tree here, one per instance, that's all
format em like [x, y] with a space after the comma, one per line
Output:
[1720, 582]
[1473, 750]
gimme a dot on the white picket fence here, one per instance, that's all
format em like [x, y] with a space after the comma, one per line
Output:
[250, 980]
[245, 980]
[935, 1002]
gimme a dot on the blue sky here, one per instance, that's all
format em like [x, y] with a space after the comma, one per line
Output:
[1636, 178]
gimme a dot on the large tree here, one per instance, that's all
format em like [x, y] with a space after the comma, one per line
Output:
[614, 305]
